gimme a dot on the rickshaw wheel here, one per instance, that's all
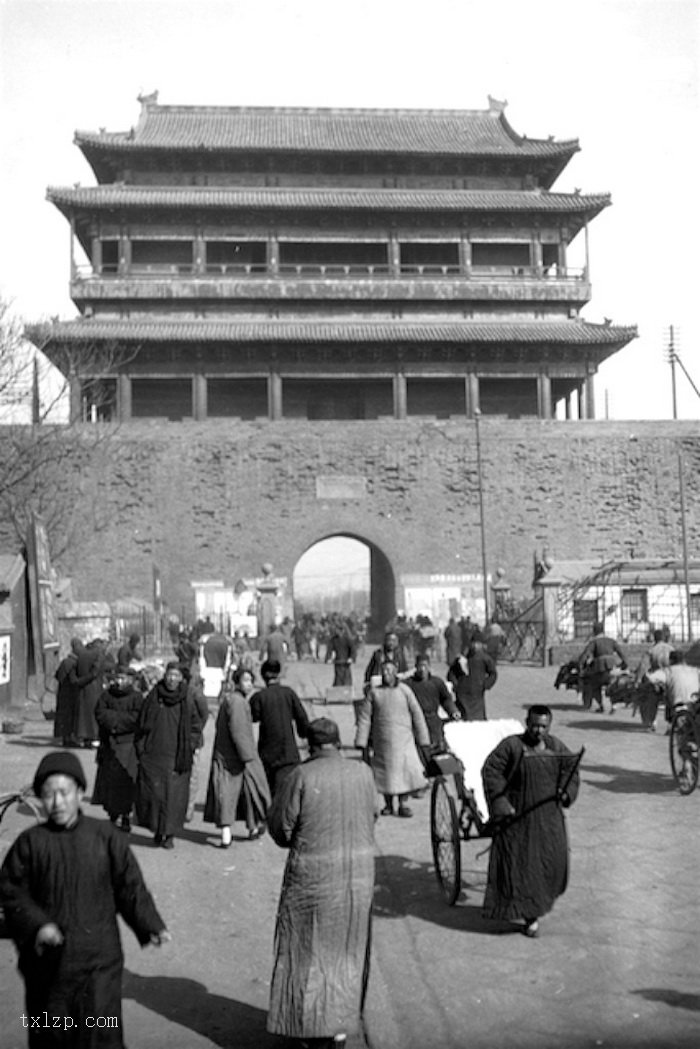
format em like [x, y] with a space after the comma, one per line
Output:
[446, 841]
[683, 746]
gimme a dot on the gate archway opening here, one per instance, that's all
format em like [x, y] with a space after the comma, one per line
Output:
[345, 573]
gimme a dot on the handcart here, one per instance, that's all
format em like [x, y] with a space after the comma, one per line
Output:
[458, 807]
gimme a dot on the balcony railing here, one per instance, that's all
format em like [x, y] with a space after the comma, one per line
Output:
[311, 271]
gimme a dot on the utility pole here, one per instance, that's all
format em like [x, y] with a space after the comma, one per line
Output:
[684, 542]
[671, 355]
[480, 479]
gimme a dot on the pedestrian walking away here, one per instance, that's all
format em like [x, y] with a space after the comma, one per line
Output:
[528, 780]
[62, 885]
[279, 711]
[324, 813]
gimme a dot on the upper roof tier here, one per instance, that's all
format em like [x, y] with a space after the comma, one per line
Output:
[331, 132]
[117, 197]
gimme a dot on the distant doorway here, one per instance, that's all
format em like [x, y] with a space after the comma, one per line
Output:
[343, 573]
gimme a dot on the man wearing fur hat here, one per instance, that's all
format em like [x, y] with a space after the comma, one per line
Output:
[62, 885]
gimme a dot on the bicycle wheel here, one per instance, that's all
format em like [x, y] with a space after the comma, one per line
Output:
[446, 841]
[683, 746]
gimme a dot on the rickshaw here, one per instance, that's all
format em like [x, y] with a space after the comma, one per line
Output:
[458, 808]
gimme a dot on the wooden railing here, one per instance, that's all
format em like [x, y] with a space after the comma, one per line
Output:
[310, 271]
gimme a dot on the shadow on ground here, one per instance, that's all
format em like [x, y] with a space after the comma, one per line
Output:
[406, 887]
[630, 781]
[670, 997]
[224, 1021]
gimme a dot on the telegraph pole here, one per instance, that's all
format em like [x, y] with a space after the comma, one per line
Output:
[671, 352]
[684, 543]
[480, 479]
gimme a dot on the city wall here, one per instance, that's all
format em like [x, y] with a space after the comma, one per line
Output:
[217, 500]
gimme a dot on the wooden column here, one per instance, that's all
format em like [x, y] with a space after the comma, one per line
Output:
[273, 255]
[96, 255]
[124, 398]
[124, 261]
[274, 396]
[75, 395]
[568, 405]
[590, 397]
[199, 397]
[199, 258]
[471, 391]
[400, 396]
[544, 396]
[465, 256]
[536, 253]
[394, 256]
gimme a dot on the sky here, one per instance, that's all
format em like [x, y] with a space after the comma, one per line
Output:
[622, 76]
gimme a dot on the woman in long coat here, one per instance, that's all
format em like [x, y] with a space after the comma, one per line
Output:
[117, 715]
[167, 730]
[237, 782]
[392, 714]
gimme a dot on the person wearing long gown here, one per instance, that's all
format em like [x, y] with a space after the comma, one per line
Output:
[392, 716]
[238, 787]
[324, 813]
[117, 716]
[528, 780]
[166, 735]
[68, 695]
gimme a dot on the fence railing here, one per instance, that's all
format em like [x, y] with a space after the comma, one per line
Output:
[156, 270]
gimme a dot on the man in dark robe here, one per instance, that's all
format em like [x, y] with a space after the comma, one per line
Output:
[117, 714]
[341, 651]
[166, 735]
[279, 710]
[62, 885]
[432, 693]
[472, 676]
[324, 814]
[528, 780]
[68, 695]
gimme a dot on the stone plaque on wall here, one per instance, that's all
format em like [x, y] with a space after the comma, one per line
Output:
[341, 486]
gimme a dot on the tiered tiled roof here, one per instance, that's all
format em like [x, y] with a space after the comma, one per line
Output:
[365, 131]
[167, 329]
[115, 196]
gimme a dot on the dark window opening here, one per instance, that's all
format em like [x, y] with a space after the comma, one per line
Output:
[501, 255]
[110, 256]
[226, 256]
[161, 399]
[237, 398]
[430, 258]
[585, 615]
[162, 256]
[634, 614]
[342, 256]
[337, 399]
[513, 398]
[550, 256]
[99, 400]
[437, 398]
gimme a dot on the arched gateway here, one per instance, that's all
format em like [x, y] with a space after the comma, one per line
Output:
[344, 572]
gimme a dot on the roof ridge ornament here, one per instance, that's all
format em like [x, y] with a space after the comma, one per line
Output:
[148, 100]
[496, 105]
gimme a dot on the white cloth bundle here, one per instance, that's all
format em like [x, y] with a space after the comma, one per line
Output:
[472, 742]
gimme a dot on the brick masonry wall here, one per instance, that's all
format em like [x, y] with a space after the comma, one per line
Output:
[217, 500]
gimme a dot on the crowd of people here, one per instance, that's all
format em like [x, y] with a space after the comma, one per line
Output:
[279, 771]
